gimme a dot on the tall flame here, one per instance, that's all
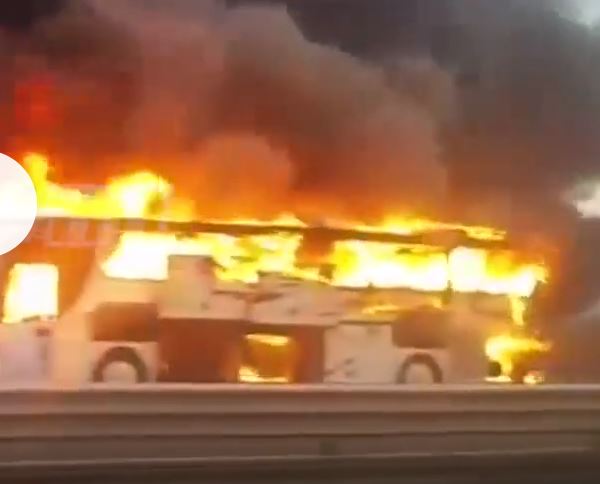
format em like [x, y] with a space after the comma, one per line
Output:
[129, 196]
[507, 349]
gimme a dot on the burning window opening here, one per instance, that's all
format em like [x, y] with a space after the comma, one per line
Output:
[32, 291]
[358, 264]
[268, 358]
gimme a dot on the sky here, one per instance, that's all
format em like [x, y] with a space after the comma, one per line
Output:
[589, 11]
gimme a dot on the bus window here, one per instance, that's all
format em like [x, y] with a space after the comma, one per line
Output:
[32, 291]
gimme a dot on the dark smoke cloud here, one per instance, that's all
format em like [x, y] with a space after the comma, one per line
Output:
[534, 108]
[175, 86]
[22, 15]
[528, 91]
[528, 80]
[376, 103]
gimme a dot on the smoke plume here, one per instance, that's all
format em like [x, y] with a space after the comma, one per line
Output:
[527, 85]
[242, 111]
[527, 80]
[486, 108]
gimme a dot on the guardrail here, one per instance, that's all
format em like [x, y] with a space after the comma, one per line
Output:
[166, 422]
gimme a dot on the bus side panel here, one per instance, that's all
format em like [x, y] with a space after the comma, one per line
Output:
[310, 341]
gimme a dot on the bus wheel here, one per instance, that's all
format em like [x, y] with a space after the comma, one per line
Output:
[420, 369]
[120, 365]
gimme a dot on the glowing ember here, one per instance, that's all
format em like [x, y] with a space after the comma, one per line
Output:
[250, 375]
[269, 339]
[534, 378]
[381, 309]
[32, 291]
[283, 220]
[411, 225]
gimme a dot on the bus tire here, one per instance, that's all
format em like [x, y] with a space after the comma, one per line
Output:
[421, 360]
[120, 355]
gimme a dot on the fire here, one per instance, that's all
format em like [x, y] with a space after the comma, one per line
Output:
[141, 194]
[145, 256]
[32, 291]
[493, 272]
[270, 359]
[507, 349]
[355, 263]
[516, 345]
[518, 307]
[248, 374]
[405, 226]
[361, 264]
[380, 309]
[431, 267]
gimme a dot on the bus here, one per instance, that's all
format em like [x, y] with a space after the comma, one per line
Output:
[89, 324]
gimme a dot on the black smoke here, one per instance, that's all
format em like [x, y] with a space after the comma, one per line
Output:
[176, 86]
[362, 100]
[24, 14]
[527, 78]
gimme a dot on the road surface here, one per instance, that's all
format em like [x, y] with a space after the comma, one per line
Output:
[581, 467]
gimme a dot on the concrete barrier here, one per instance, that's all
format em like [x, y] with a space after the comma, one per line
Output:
[151, 422]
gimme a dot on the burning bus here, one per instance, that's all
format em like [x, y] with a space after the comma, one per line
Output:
[119, 285]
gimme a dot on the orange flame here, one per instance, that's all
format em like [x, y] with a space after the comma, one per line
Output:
[271, 359]
[506, 349]
[130, 196]
[355, 263]
[32, 291]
